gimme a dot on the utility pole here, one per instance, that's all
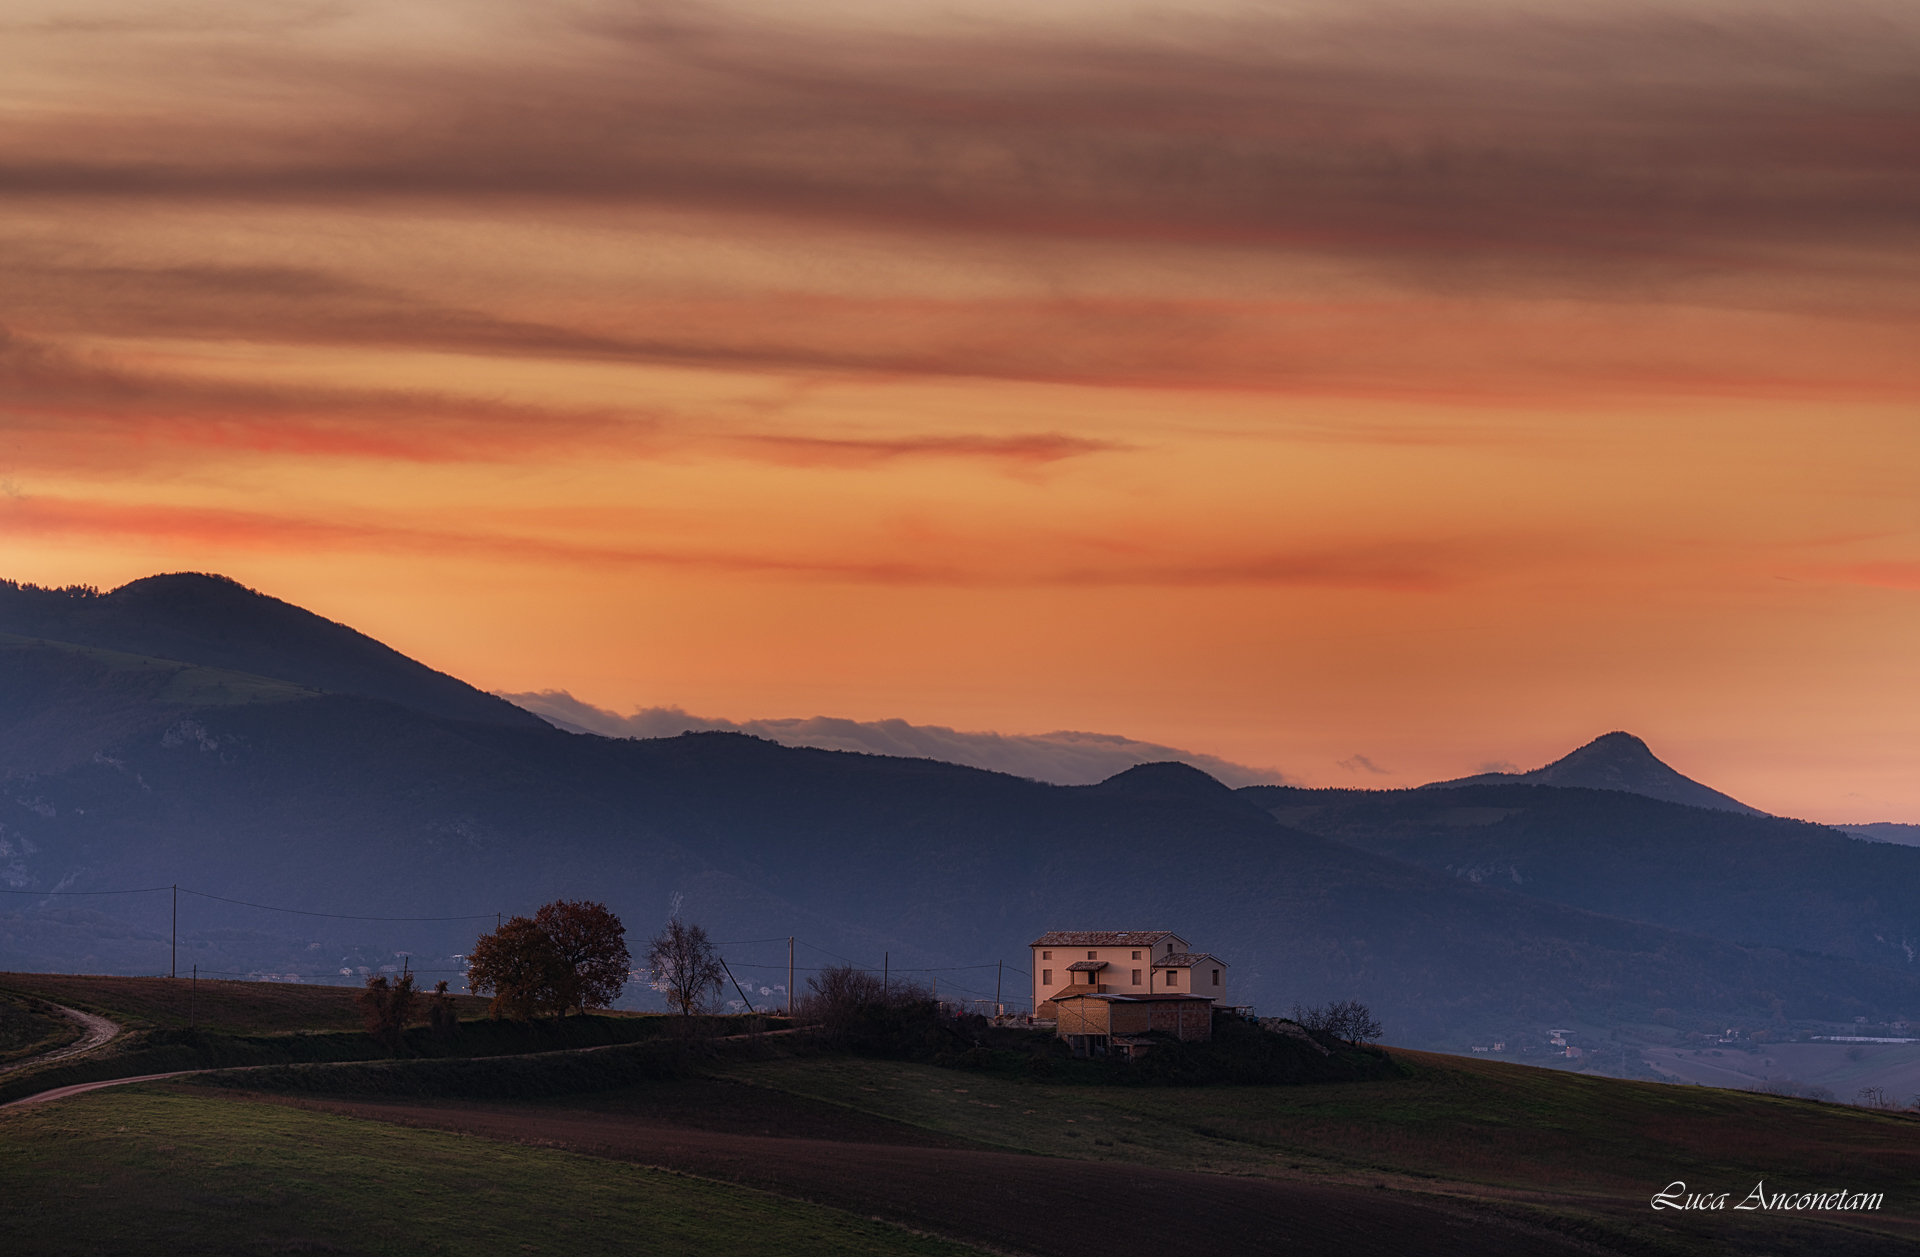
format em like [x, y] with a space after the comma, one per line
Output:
[192, 992]
[789, 975]
[173, 961]
[999, 968]
[886, 967]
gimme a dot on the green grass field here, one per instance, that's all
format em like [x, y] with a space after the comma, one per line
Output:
[222, 1007]
[241, 1024]
[1455, 1119]
[137, 1170]
[1580, 1155]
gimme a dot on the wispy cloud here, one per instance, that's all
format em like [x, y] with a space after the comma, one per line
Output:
[1360, 763]
[1886, 574]
[64, 403]
[1496, 179]
[1597, 140]
[907, 559]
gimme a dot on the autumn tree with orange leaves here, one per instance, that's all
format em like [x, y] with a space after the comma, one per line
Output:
[570, 954]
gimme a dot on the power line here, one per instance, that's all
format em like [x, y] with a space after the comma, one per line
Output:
[478, 916]
[144, 890]
[836, 955]
[265, 907]
[338, 916]
[336, 975]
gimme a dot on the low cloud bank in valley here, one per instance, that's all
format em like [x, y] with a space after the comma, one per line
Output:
[1065, 758]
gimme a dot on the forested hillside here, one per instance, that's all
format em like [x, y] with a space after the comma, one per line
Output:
[343, 804]
[1744, 878]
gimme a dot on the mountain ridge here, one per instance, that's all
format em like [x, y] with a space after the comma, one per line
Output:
[1749, 879]
[342, 802]
[214, 621]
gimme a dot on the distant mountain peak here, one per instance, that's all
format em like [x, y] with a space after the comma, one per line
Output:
[1166, 777]
[216, 622]
[1614, 761]
[1172, 781]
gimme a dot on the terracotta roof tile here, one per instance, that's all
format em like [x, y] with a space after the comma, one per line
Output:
[1158, 997]
[1103, 938]
[1187, 960]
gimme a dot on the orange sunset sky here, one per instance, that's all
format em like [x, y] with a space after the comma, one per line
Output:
[1371, 392]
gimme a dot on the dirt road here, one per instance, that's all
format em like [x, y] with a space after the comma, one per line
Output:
[1044, 1206]
[96, 1031]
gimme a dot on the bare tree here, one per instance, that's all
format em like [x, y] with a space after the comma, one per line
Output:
[1357, 1023]
[683, 967]
[1345, 1019]
[1876, 1098]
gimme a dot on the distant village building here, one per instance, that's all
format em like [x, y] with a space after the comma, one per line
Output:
[1109, 991]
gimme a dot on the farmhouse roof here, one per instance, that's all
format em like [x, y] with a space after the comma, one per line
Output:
[1102, 938]
[1168, 998]
[1086, 966]
[1187, 960]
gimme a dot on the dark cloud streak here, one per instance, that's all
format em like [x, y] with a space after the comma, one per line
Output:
[80, 410]
[1627, 141]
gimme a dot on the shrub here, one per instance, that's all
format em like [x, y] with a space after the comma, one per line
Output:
[386, 1007]
[441, 1013]
[856, 1011]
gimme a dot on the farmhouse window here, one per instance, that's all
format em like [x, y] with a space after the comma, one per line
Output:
[1136, 974]
[1136, 956]
[1216, 977]
[1093, 955]
[1173, 977]
[1046, 955]
[1046, 977]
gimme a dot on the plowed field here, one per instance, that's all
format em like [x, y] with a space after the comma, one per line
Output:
[1044, 1206]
